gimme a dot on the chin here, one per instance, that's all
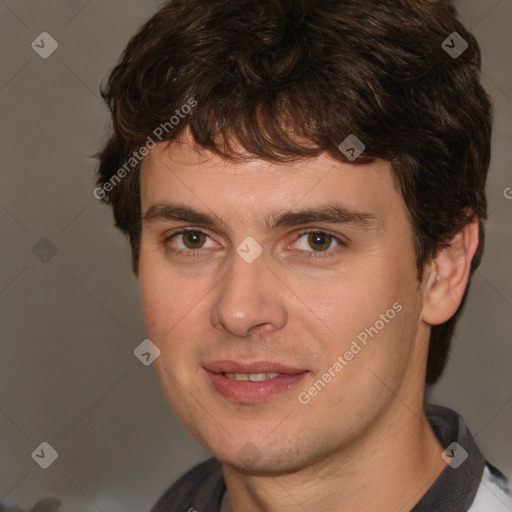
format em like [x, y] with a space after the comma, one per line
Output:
[253, 457]
[264, 466]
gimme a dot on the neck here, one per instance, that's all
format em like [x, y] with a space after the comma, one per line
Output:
[389, 470]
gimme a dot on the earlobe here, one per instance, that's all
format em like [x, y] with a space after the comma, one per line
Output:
[449, 276]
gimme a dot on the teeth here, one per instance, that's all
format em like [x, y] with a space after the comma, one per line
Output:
[253, 377]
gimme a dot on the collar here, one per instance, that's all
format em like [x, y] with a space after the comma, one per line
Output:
[455, 488]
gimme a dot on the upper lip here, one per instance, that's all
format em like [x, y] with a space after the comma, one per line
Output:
[226, 366]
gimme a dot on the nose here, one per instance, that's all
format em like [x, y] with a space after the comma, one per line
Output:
[249, 296]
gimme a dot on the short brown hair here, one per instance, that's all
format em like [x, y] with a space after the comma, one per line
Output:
[266, 74]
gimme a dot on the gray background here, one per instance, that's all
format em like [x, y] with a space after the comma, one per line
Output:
[70, 324]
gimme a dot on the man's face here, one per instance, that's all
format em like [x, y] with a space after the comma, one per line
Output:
[307, 302]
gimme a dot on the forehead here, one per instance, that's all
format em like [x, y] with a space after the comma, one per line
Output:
[185, 174]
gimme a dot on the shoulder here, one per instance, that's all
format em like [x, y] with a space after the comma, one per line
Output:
[200, 488]
[494, 493]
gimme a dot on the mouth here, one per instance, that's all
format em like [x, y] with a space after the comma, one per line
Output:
[253, 377]
[252, 382]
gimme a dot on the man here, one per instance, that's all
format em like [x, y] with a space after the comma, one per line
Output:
[302, 183]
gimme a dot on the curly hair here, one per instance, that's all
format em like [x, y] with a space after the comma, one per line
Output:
[283, 80]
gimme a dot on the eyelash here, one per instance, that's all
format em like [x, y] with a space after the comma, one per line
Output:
[308, 254]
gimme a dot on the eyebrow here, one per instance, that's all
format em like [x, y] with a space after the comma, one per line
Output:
[331, 213]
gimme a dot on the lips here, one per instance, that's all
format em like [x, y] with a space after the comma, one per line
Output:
[226, 366]
[252, 382]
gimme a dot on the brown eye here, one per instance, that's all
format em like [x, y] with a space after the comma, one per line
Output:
[319, 244]
[319, 241]
[193, 239]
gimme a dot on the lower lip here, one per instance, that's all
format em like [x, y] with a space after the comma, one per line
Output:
[248, 391]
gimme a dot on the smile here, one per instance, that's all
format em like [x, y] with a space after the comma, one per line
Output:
[253, 377]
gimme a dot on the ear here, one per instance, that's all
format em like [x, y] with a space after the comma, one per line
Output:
[449, 276]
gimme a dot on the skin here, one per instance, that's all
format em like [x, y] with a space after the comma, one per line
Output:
[363, 442]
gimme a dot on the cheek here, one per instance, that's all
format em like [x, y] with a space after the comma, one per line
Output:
[350, 305]
[372, 326]
[153, 300]
[390, 353]
[174, 309]
[161, 298]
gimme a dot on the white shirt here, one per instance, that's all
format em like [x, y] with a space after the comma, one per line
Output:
[492, 495]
